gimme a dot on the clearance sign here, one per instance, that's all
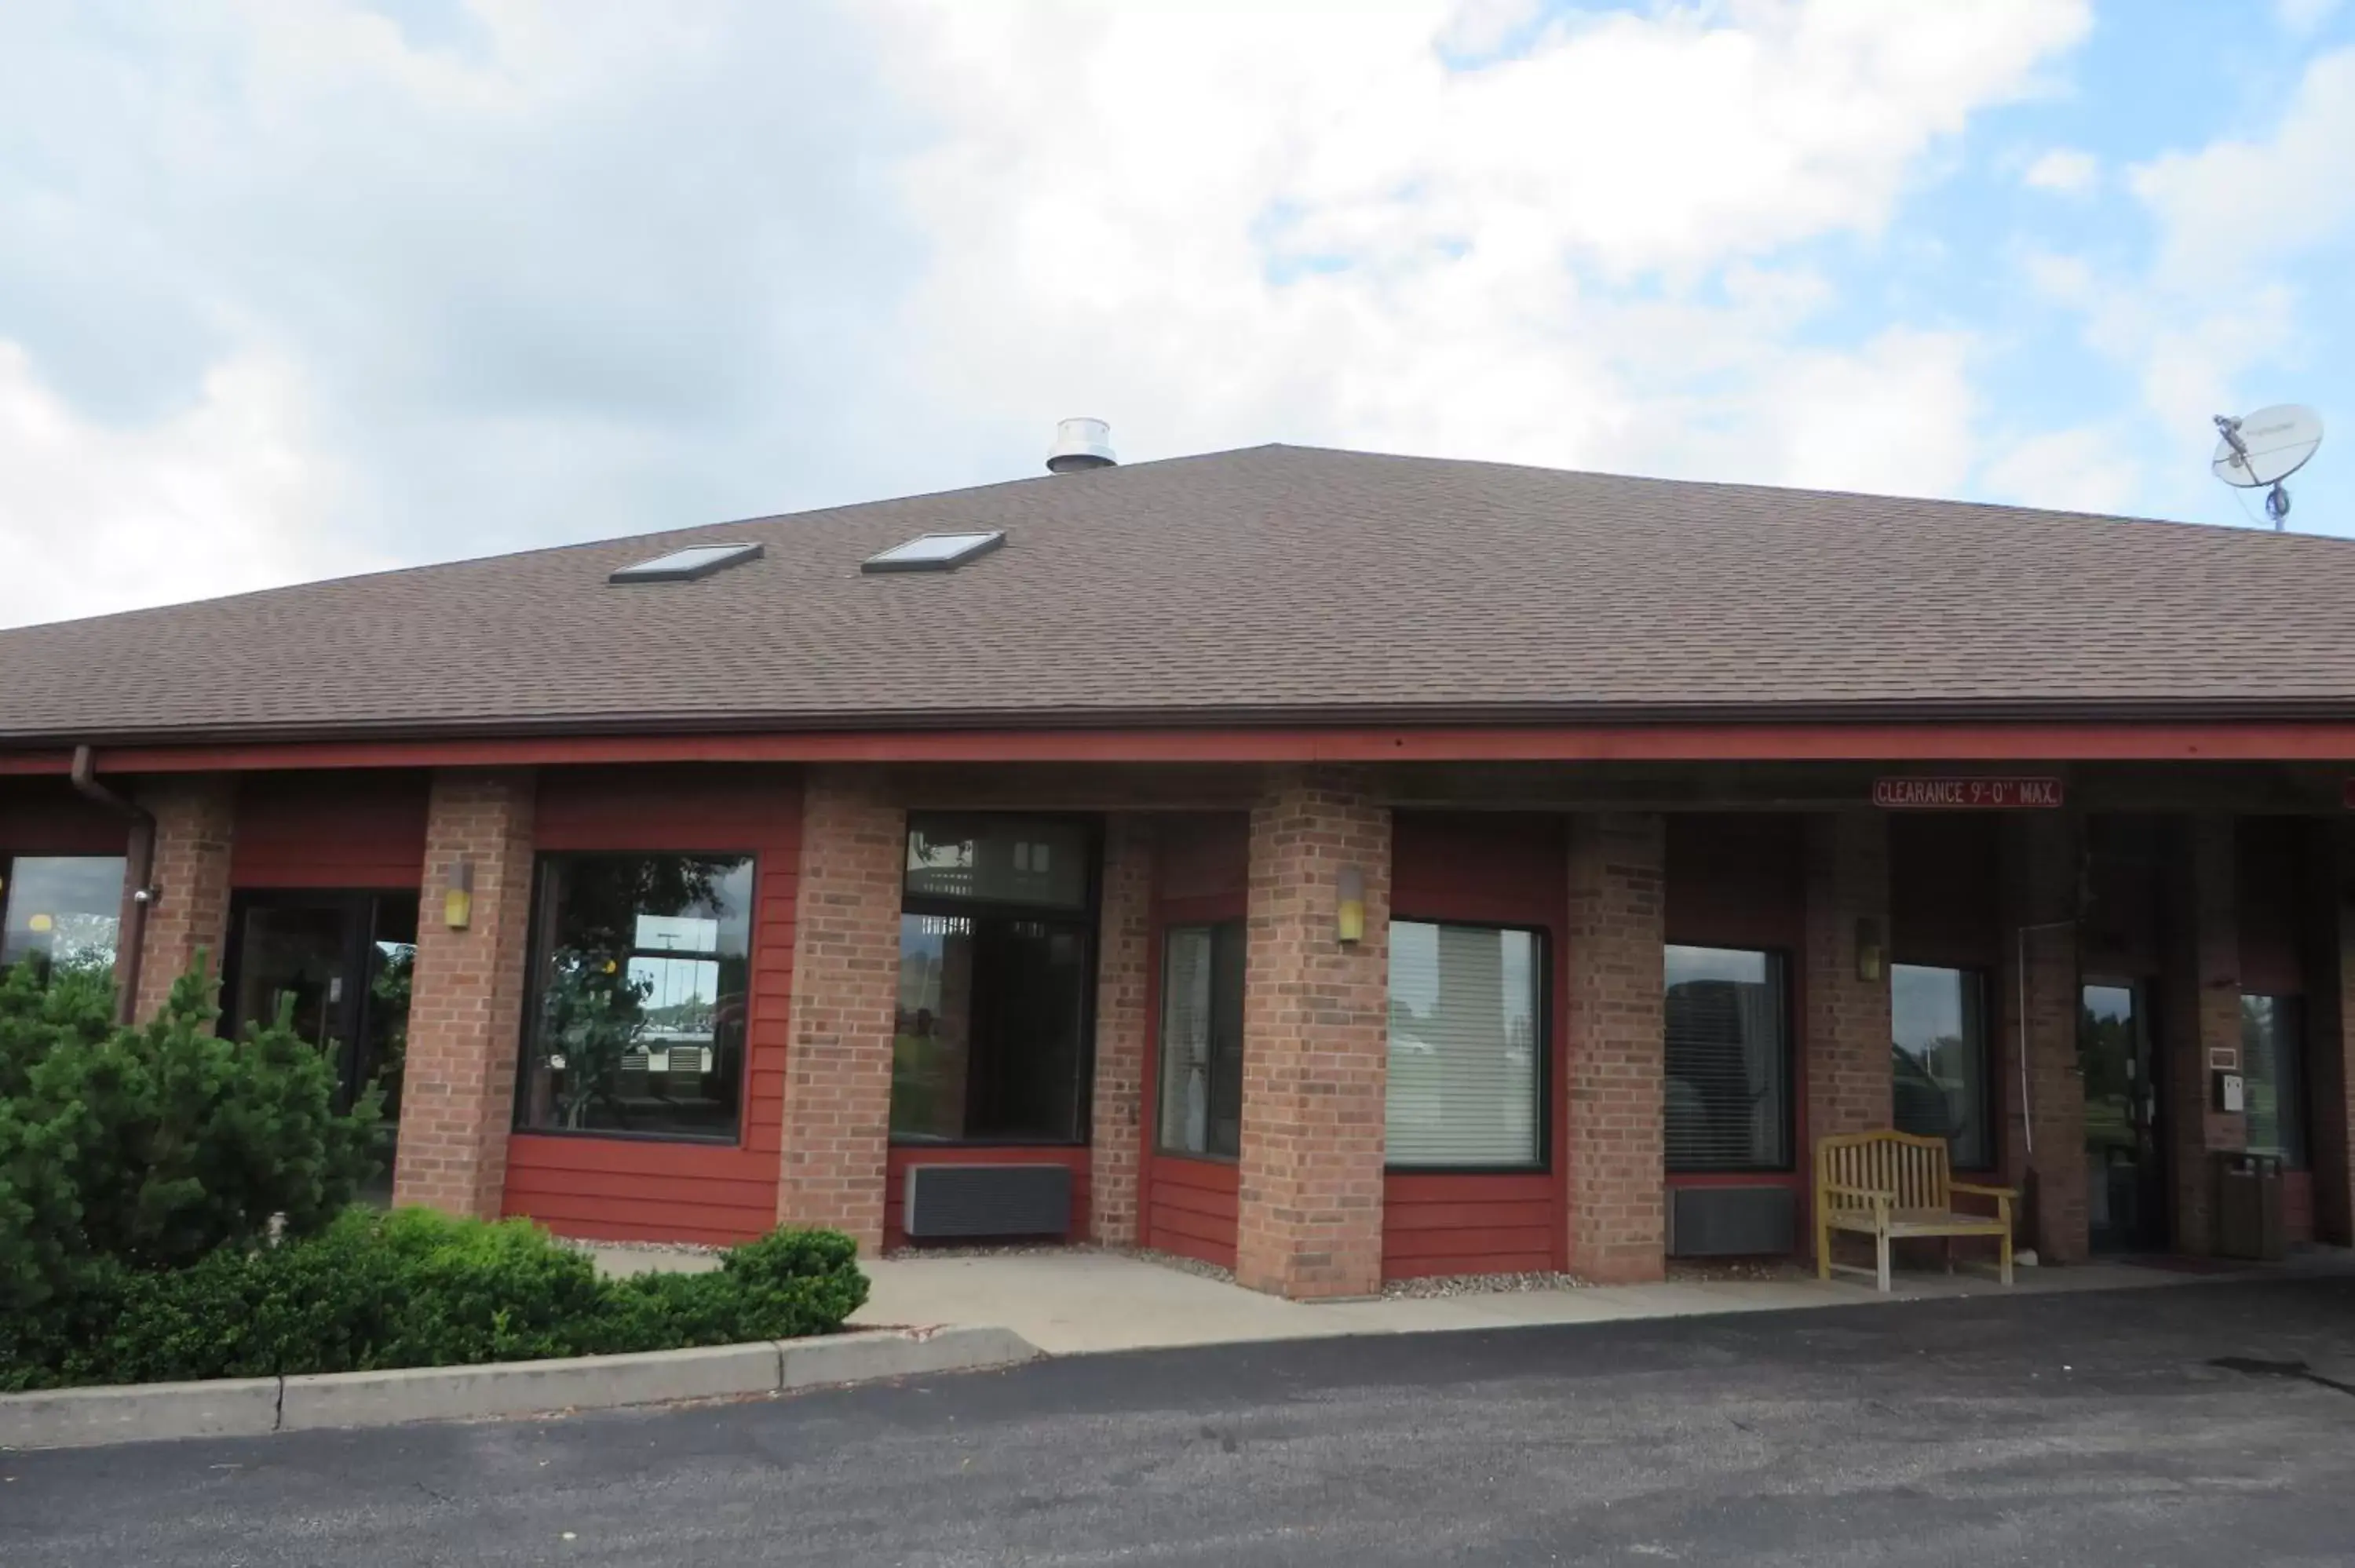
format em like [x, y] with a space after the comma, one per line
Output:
[1968, 794]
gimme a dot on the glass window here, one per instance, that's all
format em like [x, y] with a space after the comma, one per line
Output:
[1938, 1066]
[1729, 1061]
[61, 910]
[639, 972]
[1201, 1097]
[1465, 1056]
[2273, 1063]
[996, 978]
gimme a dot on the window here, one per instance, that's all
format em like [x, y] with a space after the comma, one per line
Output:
[934, 552]
[1938, 1066]
[997, 981]
[1467, 1052]
[638, 974]
[1201, 1097]
[2273, 1063]
[1729, 1061]
[61, 911]
[686, 565]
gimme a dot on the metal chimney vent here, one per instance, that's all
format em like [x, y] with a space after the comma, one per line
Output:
[1080, 445]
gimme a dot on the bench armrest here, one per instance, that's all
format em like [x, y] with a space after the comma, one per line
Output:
[1973, 1187]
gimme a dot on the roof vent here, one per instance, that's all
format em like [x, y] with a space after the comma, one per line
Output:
[1080, 445]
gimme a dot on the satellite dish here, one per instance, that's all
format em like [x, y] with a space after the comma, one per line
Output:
[2266, 447]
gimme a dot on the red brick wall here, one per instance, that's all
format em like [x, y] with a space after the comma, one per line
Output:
[2039, 885]
[2329, 947]
[1316, 1043]
[1845, 1032]
[2199, 1010]
[1499, 868]
[1612, 973]
[466, 998]
[195, 817]
[837, 1092]
[643, 1188]
[342, 830]
[1124, 963]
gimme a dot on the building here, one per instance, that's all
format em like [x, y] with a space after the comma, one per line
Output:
[1338, 866]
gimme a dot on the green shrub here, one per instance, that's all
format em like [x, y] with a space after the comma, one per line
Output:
[151, 1148]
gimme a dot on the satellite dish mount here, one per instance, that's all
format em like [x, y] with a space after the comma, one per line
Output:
[2259, 450]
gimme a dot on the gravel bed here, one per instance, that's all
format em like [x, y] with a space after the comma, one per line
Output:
[1443, 1285]
[1193, 1266]
[690, 1249]
[1742, 1268]
[997, 1249]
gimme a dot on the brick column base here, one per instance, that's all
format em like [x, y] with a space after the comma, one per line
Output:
[466, 998]
[2198, 1009]
[195, 819]
[1316, 1043]
[2039, 884]
[1616, 1156]
[1124, 962]
[845, 1009]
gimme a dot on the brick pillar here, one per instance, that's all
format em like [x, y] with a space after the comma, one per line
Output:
[1848, 1025]
[195, 818]
[2329, 926]
[467, 998]
[1316, 1043]
[2040, 887]
[846, 998]
[1617, 993]
[2198, 1009]
[1124, 962]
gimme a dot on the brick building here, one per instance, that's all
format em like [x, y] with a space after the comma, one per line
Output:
[1333, 866]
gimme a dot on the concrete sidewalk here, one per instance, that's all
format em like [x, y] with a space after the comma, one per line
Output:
[1075, 1302]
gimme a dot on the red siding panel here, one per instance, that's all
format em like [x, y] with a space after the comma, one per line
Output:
[636, 1189]
[1944, 893]
[1190, 1208]
[2272, 865]
[1504, 868]
[330, 830]
[1733, 880]
[44, 816]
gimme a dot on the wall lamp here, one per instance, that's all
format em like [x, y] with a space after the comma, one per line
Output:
[1869, 959]
[1349, 904]
[458, 895]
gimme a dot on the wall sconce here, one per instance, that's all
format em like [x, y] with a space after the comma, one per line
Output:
[458, 895]
[1869, 956]
[1349, 904]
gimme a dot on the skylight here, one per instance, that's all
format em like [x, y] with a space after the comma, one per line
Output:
[686, 565]
[935, 552]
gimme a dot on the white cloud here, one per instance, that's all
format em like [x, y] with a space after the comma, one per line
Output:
[2065, 171]
[1233, 225]
[2086, 469]
[225, 496]
[2302, 18]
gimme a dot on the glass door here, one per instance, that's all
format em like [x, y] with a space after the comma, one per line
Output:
[338, 964]
[2126, 1171]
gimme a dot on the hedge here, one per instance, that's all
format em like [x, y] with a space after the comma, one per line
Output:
[412, 1288]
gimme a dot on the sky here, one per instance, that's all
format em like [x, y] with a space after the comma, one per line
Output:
[292, 289]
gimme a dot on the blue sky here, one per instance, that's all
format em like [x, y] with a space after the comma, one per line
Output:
[293, 288]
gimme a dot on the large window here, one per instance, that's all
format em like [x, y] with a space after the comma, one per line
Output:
[1729, 1061]
[637, 1010]
[1467, 1047]
[996, 934]
[2273, 1063]
[1938, 1066]
[61, 911]
[1201, 1097]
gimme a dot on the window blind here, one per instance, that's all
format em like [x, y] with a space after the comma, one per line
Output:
[1185, 1040]
[1729, 1061]
[1465, 1045]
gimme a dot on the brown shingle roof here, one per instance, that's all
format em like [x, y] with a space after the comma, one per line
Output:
[1278, 582]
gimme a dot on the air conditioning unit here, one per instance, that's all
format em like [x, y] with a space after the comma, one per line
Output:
[945, 1202]
[1732, 1221]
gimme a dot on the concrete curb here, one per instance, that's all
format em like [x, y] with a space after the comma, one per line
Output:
[253, 1407]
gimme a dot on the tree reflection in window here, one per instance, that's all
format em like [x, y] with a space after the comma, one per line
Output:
[640, 973]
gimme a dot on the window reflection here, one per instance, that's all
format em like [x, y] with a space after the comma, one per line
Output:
[62, 911]
[1938, 1067]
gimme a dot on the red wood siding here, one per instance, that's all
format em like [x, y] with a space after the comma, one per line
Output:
[2128, 862]
[44, 816]
[2272, 864]
[895, 1191]
[630, 1189]
[1500, 868]
[330, 830]
[1945, 892]
[1202, 873]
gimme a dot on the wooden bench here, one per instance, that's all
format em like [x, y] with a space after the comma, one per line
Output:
[1893, 1185]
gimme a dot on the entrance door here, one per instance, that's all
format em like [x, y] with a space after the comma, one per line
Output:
[2126, 1171]
[339, 963]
